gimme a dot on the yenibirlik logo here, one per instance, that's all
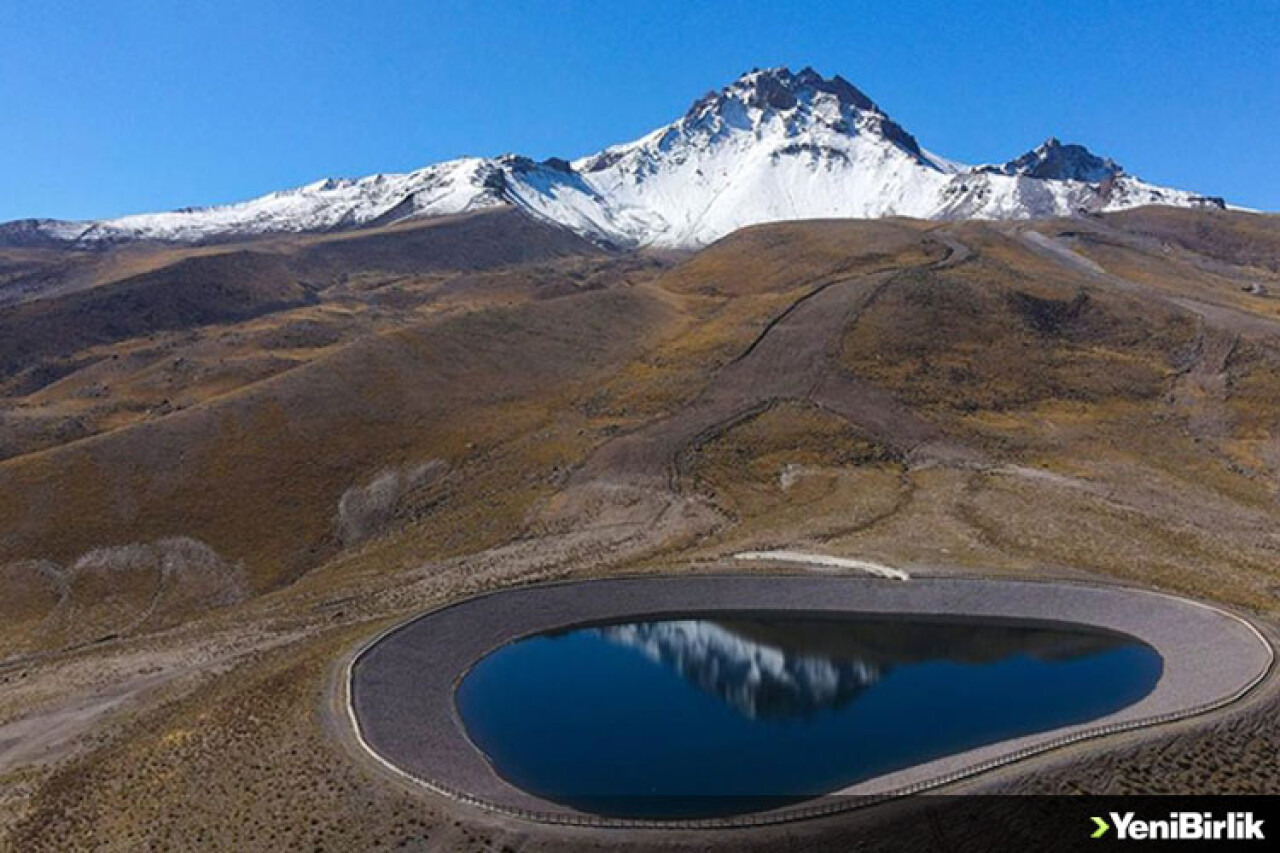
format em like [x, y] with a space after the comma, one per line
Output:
[1182, 826]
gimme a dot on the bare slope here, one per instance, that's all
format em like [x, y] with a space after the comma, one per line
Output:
[1092, 397]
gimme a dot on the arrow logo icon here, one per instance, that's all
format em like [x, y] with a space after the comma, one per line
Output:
[1103, 826]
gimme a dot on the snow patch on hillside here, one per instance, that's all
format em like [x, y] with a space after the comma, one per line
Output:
[877, 569]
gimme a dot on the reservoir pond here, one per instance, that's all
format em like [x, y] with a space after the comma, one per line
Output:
[704, 717]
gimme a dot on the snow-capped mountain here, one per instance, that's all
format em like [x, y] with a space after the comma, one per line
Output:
[773, 145]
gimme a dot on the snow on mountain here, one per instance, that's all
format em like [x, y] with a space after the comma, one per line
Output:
[1057, 162]
[773, 145]
[453, 187]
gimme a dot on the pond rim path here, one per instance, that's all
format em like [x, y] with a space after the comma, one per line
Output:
[413, 730]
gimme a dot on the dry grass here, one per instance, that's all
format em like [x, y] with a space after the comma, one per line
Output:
[1107, 432]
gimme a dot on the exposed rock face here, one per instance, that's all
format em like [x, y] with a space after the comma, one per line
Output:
[364, 511]
[113, 591]
[1054, 161]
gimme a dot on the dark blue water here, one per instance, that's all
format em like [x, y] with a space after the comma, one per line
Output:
[700, 717]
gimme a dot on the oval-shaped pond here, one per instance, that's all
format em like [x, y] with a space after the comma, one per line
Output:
[701, 717]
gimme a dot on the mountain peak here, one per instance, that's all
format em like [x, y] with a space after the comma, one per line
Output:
[780, 89]
[802, 98]
[1058, 161]
[772, 145]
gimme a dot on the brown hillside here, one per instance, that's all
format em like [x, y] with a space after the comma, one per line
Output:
[224, 470]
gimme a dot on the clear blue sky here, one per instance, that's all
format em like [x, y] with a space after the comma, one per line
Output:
[116, 107]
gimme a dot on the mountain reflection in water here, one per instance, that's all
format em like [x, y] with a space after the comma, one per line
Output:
[757, 679]
[780, 668]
